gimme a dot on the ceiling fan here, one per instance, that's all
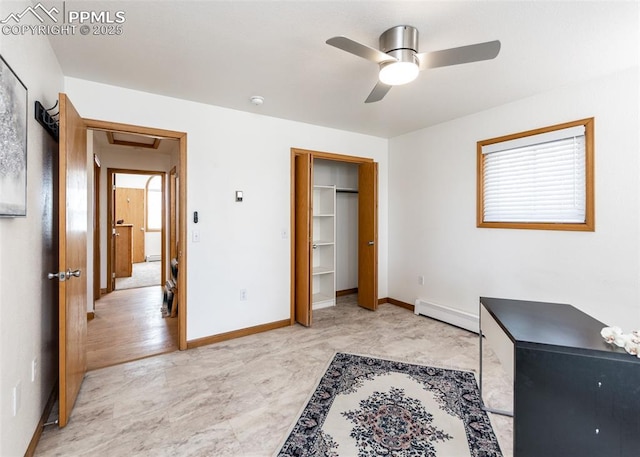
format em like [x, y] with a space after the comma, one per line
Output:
[400, 61]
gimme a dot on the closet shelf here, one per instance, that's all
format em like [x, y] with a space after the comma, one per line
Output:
[323, 285]
[323, 301]
[320, 270]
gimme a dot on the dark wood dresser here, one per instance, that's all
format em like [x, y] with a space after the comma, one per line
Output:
[574, 394]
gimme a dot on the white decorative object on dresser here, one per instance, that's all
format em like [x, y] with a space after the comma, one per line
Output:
[324, 247]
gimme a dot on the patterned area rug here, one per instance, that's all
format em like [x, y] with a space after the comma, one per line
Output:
[368, 407]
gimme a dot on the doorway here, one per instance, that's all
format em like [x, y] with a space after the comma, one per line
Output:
[141, 168]
[138, 225]
[76, 238]
[128, 322]
[313, 234]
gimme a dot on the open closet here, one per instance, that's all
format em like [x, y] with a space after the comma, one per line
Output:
[335, 231]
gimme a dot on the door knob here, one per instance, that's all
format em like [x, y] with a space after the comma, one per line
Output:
[370, 243]
[75, 273]
[61, 276]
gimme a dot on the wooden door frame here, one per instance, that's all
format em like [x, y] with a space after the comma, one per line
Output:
[111, 172]
[313, 155]
[96, 230]
[181, 137]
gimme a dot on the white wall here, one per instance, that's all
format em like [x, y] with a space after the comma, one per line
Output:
[432, 227]
[152, 244]
[131, 181]
[241, 244]
[28, 313]
[346, 241]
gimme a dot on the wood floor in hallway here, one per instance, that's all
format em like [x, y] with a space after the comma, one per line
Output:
[128, 325]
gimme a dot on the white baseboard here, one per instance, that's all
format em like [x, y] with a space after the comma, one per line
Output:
[447, 314]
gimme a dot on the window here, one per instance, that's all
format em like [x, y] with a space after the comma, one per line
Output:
[154, 204]
[540, 179]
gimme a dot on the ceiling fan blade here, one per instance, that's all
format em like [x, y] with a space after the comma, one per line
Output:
[358, 49]
[463, 54]
[378, 93]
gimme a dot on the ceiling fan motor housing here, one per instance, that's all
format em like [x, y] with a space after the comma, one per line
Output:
[401, 37]
[401, 43]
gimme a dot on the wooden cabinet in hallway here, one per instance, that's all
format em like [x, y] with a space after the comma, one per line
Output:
[124, 247]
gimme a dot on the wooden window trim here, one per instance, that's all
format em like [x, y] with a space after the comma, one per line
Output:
[587, 226]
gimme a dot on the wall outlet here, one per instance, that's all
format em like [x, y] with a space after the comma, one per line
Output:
[243, 294]
[34, 369]
[421, 280]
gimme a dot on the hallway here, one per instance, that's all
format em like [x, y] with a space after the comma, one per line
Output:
[128, 325]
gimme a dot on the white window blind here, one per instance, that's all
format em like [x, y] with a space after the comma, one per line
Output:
[536, 179]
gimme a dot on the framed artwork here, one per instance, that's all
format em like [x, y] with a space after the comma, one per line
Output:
[13, 143]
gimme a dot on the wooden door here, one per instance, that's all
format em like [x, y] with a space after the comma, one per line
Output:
[124, 243]
[130, 209]
[112, 246]
[173, 215]
[303, 238]
[72, 193]
[368, 235]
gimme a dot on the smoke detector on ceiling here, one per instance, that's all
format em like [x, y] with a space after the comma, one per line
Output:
[257, 100]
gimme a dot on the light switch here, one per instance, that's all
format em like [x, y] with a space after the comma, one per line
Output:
[195, 236]
[239, 196]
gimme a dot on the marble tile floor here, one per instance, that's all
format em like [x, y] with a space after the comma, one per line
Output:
[240, 397]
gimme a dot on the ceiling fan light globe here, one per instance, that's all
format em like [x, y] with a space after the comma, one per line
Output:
[398, 73]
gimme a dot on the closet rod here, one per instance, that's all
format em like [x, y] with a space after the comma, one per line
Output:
[347, 191]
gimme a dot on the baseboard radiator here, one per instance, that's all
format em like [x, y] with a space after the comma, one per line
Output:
[447, 314]
[154, 258]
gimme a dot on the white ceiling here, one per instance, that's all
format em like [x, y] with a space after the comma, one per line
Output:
[223, 52]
